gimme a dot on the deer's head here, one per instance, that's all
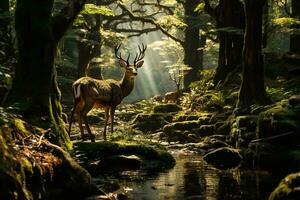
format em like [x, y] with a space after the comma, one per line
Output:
[131, 69]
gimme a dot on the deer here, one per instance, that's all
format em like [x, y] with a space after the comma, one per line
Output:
[91, 93]
[171, 97]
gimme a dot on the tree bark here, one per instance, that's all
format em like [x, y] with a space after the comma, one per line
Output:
[191, 45]
[252, 89]
[35, 91]
[229, 13]
[88, 51]
[5, 34]
[295, 38]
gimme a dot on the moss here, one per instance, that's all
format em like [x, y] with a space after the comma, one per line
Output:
[288, 188]
[100, 150]
[185, 125]
[149, 122]
[36, 168]
[278, 119]
[166, 108]
[21, 127]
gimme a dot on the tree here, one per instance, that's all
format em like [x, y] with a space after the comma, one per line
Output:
[193, 57]
[295, 38]
[230, 22]
[252, 90]
[35, 92]
[6, 51]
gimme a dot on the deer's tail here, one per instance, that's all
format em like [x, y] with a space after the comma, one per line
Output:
[76, 96]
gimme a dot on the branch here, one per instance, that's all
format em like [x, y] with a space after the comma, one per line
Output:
[169, 9]
[149, 21]
[62, 21]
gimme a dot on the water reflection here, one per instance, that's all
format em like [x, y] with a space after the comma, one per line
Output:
[193, 179]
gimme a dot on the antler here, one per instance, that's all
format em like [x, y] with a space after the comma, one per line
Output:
[117, 47]
[139, 56]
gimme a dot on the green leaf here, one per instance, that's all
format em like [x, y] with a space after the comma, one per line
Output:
[94, 9]
[170, 21]
[200, 7]
[286, 21]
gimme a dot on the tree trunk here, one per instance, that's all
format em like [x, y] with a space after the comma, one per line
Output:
[265, 24]
[192, 56]
[5, 34]
[229, 14]
[295, 38]
[35, 91]
[252, 90]
[88, 51]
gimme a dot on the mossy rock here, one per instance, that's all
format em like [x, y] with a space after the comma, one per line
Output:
[288, 188]
[224, 157]
[180, 136]
[146, 152]
[95, 116]
[186, 117]
[279, 120]
[181, 126]
[149, 122]
[206, 130]
[166, 108]
[115, 163]
[247, 121]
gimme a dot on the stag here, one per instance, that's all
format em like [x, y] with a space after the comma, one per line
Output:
[91, 93]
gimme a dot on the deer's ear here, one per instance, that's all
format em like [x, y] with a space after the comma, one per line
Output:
[139, 64]
[122, 63]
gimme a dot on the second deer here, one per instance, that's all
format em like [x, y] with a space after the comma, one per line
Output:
[91, 93]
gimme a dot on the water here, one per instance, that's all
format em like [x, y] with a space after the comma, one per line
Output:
[192, 179]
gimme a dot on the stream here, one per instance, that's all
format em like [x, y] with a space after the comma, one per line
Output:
[193, 178]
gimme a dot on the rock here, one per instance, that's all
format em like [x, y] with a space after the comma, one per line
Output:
[279, 120]
[182, 126]
[166, 108]
[120, 163]
[288, 188]
[223, 157]
[149, 122]
[180, 136]
[95, 116]
[206, 130]
[222, 128]
[294, 100]
[103, 150]
[247, 121]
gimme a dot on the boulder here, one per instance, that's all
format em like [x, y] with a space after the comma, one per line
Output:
[182, 126]
[223, 157]
[166, 108]
[116, 163]
[149, 122]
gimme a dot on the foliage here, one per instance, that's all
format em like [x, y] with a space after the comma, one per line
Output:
[91, 9]
[171, 21]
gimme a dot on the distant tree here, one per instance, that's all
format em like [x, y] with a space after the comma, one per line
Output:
[252, 90]
[35, 92]
[230, 23]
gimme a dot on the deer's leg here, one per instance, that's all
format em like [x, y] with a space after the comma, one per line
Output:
[105, 124]
[112, 115]
[80, 125]
[87, 107]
